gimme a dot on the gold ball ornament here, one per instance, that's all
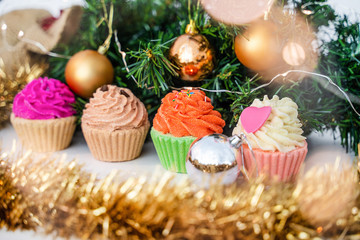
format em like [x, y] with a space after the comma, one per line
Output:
[258, 48]
[86, 71]
[193, 55]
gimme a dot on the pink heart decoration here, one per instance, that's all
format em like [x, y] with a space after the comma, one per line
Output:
[253, 118]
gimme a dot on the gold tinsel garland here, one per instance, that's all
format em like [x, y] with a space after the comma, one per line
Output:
[58, 196]
[11, 84]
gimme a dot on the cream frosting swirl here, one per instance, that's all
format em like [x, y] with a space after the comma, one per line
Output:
[281, 131]
[114, 108]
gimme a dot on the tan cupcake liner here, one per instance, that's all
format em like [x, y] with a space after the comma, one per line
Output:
[120, 145]
[48, 135]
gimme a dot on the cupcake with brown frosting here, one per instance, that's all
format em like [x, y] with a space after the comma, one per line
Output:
[115, 124]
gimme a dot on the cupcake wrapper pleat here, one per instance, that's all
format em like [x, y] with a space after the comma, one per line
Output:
[116, 146]
[284, 166]
[172, 151]
[47, 135]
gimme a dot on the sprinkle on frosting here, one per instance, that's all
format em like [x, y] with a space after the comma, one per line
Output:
[44, 98]
[184, 92]
[113, 108]
[187, 113]
[281, 131]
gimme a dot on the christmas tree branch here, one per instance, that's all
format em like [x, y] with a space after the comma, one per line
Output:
[151, 67]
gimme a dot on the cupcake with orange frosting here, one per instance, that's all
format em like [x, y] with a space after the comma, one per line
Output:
[115, 124]
[182, 118]
[278, 145]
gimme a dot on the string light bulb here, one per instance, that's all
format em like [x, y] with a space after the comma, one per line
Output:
[21, 34]
[293, 54]
[305, 10]
[3, 27]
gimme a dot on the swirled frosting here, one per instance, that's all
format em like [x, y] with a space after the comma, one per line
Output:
[281, 131]
[188, 113]
[44, 98]
[114, 108]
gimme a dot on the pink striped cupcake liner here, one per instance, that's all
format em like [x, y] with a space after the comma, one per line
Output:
[284, 166]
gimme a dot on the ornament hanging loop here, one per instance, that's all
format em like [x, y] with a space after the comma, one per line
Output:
[237, 142]
[191, 28]
[108, 18]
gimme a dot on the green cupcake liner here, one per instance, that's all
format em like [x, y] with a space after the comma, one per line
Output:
[171, 150]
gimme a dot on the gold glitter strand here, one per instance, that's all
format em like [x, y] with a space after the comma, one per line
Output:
[319, 190]
[55, 195]
[11, 84]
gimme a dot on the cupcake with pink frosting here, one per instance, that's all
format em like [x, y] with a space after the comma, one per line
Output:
[43, 115]
[115, 124]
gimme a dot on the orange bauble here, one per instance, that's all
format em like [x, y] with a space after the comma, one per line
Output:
[193, 56]
[258, 48]
[86, 71]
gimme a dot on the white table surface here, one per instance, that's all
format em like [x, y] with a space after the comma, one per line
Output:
[147, 162]
[323, 149]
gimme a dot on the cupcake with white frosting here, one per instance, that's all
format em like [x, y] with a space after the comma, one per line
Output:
[115, 124]
[278, 145]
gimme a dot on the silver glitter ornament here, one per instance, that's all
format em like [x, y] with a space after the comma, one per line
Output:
[214, 158]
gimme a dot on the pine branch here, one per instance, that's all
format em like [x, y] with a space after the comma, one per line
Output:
[152, 69]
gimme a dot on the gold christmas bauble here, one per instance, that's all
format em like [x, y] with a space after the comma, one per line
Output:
[86, 71]
[193, 55]
[258, 48]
